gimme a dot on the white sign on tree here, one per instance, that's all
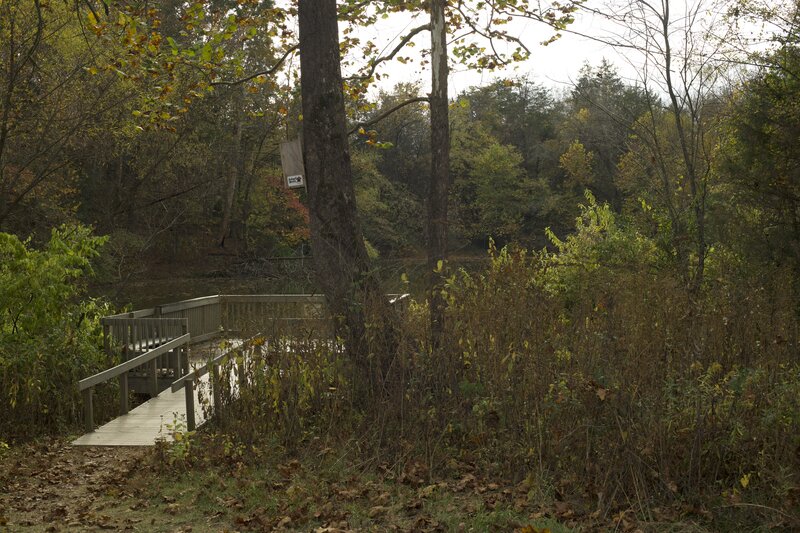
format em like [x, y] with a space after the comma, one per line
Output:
[292, 163]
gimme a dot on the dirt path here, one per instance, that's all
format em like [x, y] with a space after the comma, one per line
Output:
[57, 487]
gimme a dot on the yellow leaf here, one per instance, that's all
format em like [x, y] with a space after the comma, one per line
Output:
[745, 480]
[532, 529]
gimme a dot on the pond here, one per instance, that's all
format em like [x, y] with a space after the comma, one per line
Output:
[144, 292]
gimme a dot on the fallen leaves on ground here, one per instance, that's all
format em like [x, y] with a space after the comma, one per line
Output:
[52, 485]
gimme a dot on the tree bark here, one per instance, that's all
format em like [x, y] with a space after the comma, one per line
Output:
[440, 167]
[340, 256]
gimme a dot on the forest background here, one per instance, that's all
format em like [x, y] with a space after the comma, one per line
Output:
[643, 235]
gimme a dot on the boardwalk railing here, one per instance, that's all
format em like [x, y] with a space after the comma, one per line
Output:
[263, 309]
[273, 313]
[149, 360]
[211, 316]
[146, 338]
[188, 381]
[202, 314]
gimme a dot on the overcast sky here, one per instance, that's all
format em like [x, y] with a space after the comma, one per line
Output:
[555, 65]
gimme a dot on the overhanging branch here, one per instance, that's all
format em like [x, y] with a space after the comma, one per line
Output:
[267, 72]
[403, 42]
[385, 114]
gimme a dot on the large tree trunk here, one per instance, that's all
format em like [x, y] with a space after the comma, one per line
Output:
[440, 166]
[340, 256]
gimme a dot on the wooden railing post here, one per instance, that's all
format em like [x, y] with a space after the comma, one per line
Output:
[188, 389]
[240, 370]
[123, 393]
[216, 393]
[184, 349]
[153, 371]
[88, 409]
[126, 340]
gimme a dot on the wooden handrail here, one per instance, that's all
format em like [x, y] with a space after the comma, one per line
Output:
[146, 357]
[201, 371]
[140, 313]
[189, 304]
[128, 319]
[272, 298]
[205, 323]
[224, 299]
[87, 385]
[188, 381]
[397, 298]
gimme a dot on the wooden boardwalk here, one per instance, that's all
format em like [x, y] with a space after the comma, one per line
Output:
[155, 343]
[147, 423]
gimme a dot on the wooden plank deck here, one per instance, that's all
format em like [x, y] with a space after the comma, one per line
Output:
[146, 423]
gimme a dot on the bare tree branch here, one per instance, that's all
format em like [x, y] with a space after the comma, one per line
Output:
[403, 42]
[385, 114]
[268, 72]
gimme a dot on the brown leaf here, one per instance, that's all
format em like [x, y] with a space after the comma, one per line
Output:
[426, 492]
[382, 499]
[467, 481]
[139, 505]
[349, 494]
[172, 508]
[427, 525]
[563, 509]
[324, 512]
[414, 504]
[289, 469]
[414, 475]
[377, 511]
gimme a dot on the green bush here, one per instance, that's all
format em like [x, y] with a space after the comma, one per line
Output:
[49, 336]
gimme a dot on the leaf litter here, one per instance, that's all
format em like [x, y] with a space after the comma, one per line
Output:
[56, 487]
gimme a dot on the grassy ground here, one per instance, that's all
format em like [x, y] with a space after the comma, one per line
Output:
[213, 485]
[55, 487]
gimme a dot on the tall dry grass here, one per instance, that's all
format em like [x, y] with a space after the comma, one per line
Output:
[626, 391]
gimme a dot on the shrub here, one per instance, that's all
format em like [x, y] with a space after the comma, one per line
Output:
[584, 375]
[49, 337]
